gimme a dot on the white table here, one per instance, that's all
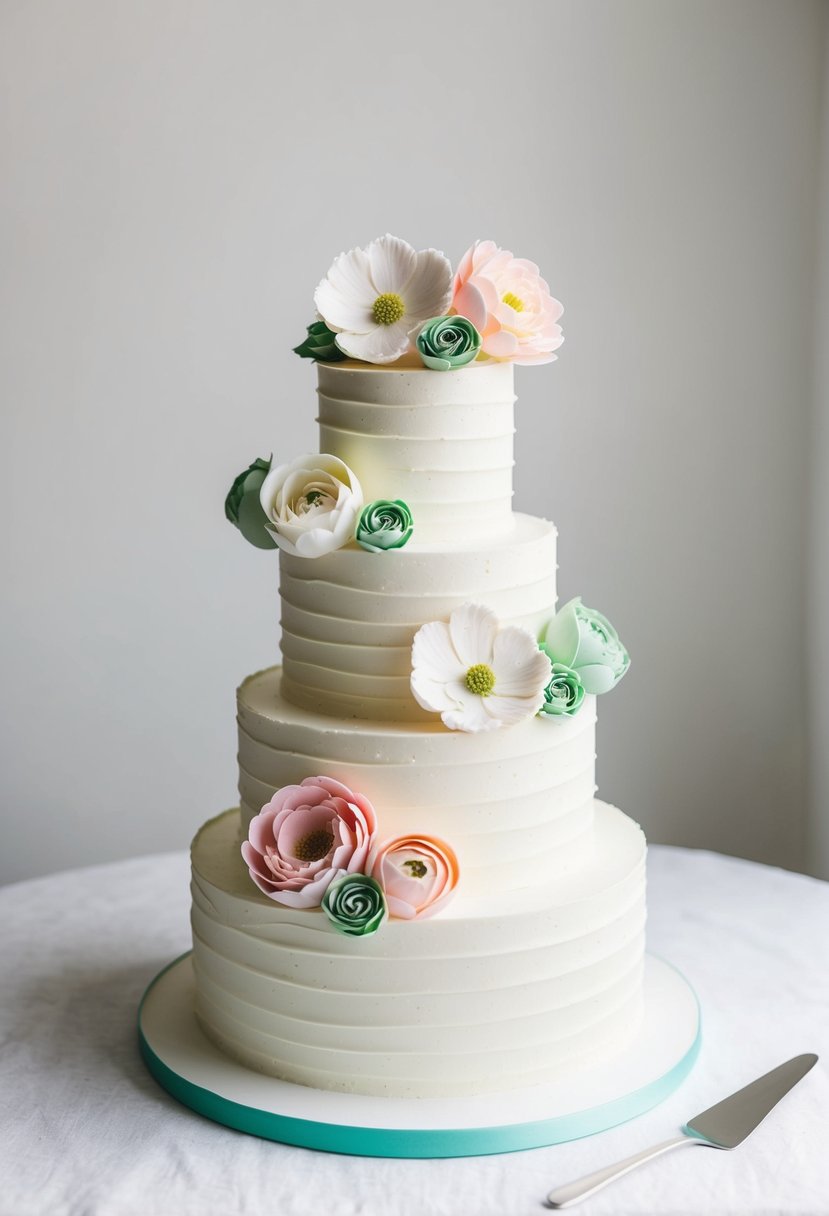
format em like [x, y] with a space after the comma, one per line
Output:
[86, 1131]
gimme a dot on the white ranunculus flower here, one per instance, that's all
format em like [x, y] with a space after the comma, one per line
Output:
[476, 675]
[375, 298]
[312, 505]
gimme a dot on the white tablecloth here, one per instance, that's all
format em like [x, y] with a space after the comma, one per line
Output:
[85, 1130]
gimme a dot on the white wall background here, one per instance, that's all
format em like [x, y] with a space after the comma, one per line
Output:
[175, 179]
[817, 581]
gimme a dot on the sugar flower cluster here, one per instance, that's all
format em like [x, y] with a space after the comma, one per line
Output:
[312, 506]
[315, 845]
[375, 304]
[480, 676]
[586, 656]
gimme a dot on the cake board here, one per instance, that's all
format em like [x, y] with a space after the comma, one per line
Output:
[185, 1063]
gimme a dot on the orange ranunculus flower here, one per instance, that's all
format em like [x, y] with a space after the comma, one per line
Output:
[418, 875]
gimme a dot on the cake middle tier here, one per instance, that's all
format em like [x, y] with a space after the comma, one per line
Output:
[348, 619]
[515, 804]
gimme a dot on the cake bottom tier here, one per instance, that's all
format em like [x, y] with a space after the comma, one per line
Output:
[495, 993]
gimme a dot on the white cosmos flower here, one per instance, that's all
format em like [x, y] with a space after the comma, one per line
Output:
[312, 505]
[476, 675]
[375, 298]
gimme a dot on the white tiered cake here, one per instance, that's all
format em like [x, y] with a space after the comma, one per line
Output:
[535, 968]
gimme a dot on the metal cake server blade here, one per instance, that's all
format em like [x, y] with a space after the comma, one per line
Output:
[729, 1122]
[722, 1126]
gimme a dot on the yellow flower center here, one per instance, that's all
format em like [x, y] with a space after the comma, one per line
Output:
[314, 846]
[417, 869]
[480, 679]
[388, 308]
[513, 301]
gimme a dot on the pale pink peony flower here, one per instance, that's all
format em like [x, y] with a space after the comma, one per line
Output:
[418, 875]
[509, 304]
[307, 836]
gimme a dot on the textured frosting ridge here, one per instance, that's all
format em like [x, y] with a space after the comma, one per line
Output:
[443, 441]
[348, 619]
[516, 804]
[492, 994]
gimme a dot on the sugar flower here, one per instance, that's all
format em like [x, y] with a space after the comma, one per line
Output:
[311, 505]
[476, 675]
[355, 905]
[417, 873]
[564, 693]
[585, 641]
[384, 525]
[307, 836]
[319, 344]
[243, 506]
[445, 343]
[509, 304]
[374, 299]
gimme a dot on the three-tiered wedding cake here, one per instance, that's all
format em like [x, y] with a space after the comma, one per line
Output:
[421, 895]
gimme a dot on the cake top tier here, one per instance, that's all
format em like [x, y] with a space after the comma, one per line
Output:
[416, 402]
[443, 444]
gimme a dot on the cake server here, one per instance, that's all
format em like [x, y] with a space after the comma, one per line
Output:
[722, 1126]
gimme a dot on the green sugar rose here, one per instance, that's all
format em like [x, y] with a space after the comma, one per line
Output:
[584, 640]
[447, 342]
[320, 344]
[355, 905]
[243, 508]
[384, 525]
[565, 691]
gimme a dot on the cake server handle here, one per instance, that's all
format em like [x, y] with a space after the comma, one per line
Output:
[573, 1192]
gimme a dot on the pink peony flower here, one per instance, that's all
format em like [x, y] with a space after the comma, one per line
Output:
[509, 304]
[418, 875]
[307, 836]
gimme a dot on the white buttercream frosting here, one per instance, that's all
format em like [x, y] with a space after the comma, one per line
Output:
[535, 967]
[497, 992]
[515, 804]
[441, 441]
[348, 619]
